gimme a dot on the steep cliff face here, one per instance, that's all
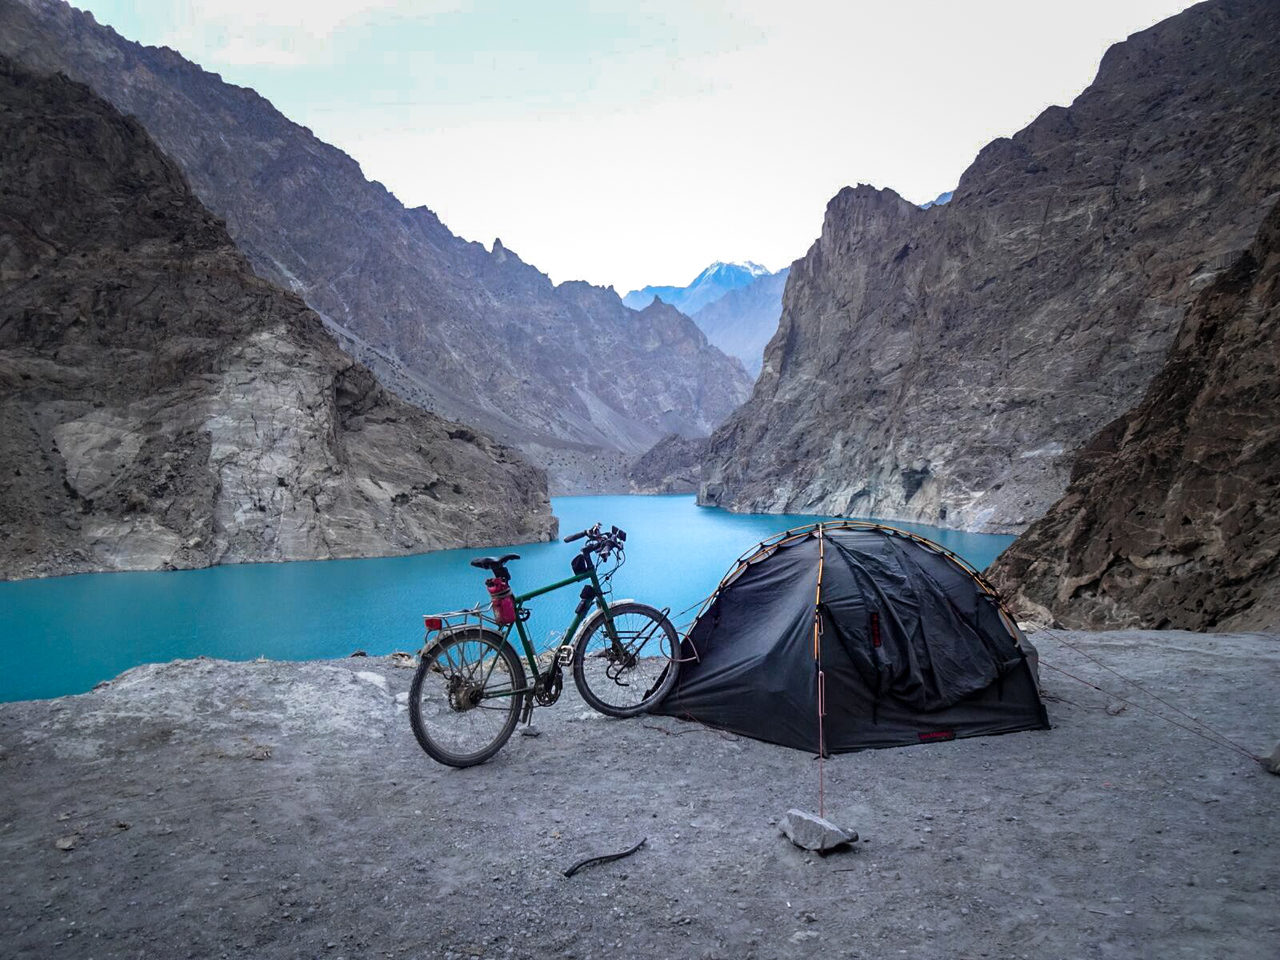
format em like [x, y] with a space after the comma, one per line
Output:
[743, 321]
[162, 406]
[942, 365]
[470, 334]
[1172, 518]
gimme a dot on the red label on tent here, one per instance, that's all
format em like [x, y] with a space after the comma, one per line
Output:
[875, 629]
[937, 735]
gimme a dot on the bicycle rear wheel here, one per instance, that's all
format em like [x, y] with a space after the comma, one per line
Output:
[627, 678]
[466, 696]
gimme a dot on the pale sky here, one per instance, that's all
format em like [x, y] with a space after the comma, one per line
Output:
[634, 142]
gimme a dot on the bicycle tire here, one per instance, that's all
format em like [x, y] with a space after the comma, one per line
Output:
[637, 684]
[453, 677]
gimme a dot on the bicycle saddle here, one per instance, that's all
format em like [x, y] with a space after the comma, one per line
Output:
[494, 563]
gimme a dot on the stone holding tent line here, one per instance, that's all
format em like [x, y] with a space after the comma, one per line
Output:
[1272, 763]
[847, 635]
[811, 832]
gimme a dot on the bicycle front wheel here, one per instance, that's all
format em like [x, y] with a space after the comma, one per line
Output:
[466, 697]
[625, 674]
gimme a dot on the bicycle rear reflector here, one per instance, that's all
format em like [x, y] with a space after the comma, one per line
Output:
[433, 623]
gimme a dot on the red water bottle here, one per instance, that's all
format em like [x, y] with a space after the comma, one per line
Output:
[501, 602]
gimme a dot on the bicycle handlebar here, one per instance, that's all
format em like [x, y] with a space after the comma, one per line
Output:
[615, 536]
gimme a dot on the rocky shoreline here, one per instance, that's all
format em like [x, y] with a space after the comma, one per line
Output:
[206, 808]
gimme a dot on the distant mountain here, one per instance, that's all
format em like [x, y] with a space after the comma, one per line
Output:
[475, 335]
[707, 287]
[937, 201]
[744, 320]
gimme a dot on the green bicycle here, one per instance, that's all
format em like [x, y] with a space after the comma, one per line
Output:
[471, 688]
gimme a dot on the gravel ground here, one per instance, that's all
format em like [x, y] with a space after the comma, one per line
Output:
[268, 809]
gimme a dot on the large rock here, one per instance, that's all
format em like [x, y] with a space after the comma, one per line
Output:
[162, 406]
[942, 365]
[1172, 518]
[473, 335]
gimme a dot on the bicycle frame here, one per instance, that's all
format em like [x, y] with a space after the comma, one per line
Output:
[530, 654]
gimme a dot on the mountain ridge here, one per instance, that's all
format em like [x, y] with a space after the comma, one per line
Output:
[475, 335]
[165, 407]
[743, 321]
[712, 283]
[942, 365]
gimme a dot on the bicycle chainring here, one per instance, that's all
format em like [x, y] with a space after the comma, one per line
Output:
[549, 686]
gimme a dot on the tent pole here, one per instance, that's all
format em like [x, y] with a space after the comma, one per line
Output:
[821, 679]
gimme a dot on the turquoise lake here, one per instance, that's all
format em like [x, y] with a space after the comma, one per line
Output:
[63, 635]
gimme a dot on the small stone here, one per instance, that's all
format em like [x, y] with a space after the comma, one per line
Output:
[811, 832]
[359, 653]
[800, 936]
[68, 842]
[530, 731]
[1116, 708]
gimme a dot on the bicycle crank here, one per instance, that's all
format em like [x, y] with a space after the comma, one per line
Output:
[549, 687]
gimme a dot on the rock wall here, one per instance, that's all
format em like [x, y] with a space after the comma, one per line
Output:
[1172, 518]
[474, 335]
[943, 365]
[162, 406]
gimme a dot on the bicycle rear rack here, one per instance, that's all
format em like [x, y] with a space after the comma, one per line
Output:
[475, 616]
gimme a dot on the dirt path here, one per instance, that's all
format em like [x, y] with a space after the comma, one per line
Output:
[284, 810]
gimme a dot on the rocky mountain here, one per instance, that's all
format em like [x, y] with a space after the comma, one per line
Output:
[943, 365]
[673, 465]
[1172, 518]
[707, 287]
[161, 406]
[744, 320]
[938, 201]
[473, 334]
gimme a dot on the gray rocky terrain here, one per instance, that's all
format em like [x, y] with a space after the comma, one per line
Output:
[1172, 517]
[673, 465]
[265, 809]
[162, 406]
[472, 334]
[943, 365]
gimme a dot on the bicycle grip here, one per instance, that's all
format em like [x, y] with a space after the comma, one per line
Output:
[575, 536]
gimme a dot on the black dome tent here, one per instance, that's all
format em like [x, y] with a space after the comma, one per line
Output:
[898, 640]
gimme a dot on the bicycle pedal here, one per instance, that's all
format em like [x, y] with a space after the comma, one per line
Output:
[564, 655]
